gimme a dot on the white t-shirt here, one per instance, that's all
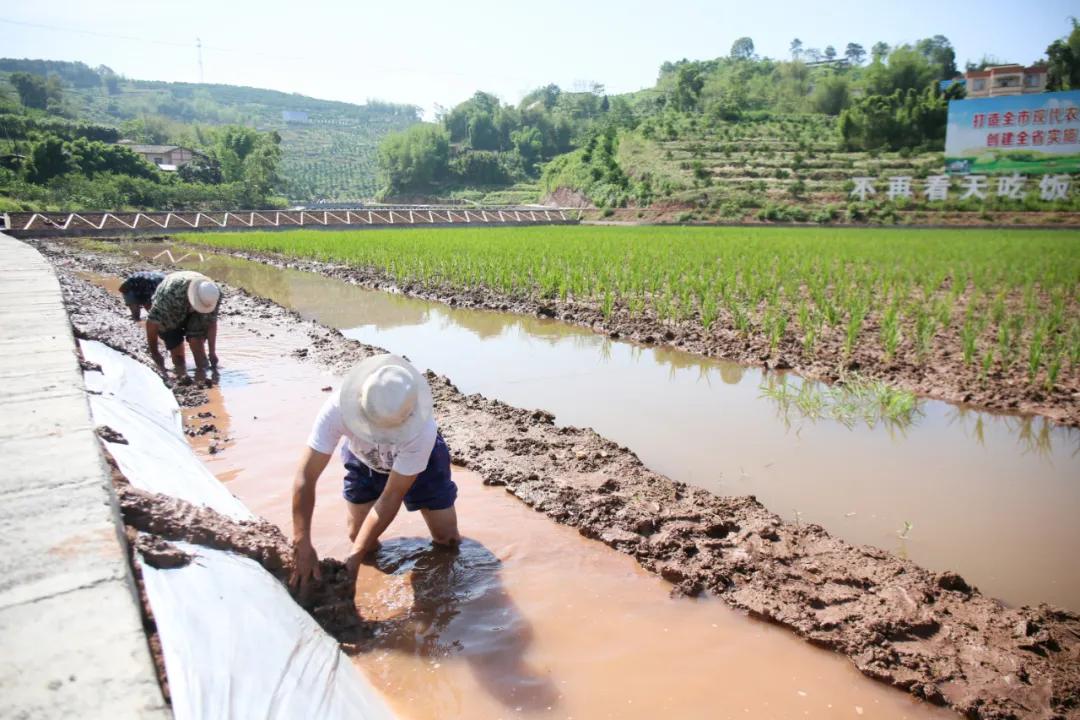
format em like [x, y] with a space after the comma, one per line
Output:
[407, 458]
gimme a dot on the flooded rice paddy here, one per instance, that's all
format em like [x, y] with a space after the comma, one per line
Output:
[528, 619]
[993, 497]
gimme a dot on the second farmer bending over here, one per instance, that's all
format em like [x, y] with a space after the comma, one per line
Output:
[185, 305]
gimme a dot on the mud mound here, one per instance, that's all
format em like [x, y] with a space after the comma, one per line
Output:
[931, 634]
[164, 518]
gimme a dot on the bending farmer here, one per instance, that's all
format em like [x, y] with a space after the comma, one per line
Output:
[185, 304]
[138, 291]
[393, 453]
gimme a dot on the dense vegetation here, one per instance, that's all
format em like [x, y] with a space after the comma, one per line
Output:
[1011, 298]
[743, 137]
[327, 149]
[50, 163]
[483, 143]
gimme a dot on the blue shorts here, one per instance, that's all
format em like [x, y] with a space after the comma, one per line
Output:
[433, 490]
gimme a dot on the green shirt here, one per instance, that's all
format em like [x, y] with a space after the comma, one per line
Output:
[171, 309]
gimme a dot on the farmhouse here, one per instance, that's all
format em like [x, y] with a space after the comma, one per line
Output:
[1004, 80]
[166, 157]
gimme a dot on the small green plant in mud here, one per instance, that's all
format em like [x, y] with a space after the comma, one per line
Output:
[903, 532]
[101, 246]
[851, 400]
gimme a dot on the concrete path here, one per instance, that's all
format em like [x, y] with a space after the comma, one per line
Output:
[71, 637]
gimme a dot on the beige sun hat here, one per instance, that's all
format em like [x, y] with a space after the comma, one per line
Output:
[203, 294]
[385, 400]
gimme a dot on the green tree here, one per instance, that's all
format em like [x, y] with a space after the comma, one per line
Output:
[48, 159]
[854, 53]
[412, 160]
[742, 49]
[529, 144]
[796, 49]
[482, 132]
[879, 51]
[941, 55]
[32, 89]
[688, 84]
[830, 53]
[904, 119]
[1063, 67]
[831, 94]
[92, 157]
[112, 83]
[906, 69]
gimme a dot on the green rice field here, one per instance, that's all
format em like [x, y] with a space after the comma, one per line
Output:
[1004, 300]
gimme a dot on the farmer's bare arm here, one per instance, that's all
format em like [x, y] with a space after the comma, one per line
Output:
[382, 514]
[152, 330]
[305, 560]
[211, 342]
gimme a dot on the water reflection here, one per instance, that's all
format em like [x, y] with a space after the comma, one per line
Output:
[1033, 435]
[455, 592]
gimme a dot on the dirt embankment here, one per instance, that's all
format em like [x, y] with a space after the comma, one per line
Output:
[930, 634]
[942, 375]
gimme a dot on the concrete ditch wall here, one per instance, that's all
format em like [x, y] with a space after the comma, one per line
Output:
[70, 626]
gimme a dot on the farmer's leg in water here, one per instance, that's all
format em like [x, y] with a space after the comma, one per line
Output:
[356, 514]
[198, 352]
[443, 525]
[174, 343]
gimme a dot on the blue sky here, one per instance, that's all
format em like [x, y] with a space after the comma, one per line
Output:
[437, 51]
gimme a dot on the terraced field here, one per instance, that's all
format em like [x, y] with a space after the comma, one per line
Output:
[796, 170]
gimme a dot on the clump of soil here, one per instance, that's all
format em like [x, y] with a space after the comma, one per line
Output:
[107, 434]
[160, 519]
[931, 634]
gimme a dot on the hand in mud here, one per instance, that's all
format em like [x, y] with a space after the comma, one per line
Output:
[352, 565]
[213, 360]
[305, 566]
[352, 569]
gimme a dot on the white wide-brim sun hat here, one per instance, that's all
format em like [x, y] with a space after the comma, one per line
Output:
[203, 294]
[385, 400]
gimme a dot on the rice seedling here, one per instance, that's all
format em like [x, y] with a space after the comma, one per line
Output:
[1035, 351]
[969, 333]
[890, 331]
[1053, 369]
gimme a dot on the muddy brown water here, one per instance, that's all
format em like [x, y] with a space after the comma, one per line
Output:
[529, 619]
[993, 497]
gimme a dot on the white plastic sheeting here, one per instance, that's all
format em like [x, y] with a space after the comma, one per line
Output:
[133, 401]
[235, 643]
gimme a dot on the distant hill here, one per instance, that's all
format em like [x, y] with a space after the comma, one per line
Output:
[329, 148]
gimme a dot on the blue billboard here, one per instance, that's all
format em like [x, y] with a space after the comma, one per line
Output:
[1034, 133]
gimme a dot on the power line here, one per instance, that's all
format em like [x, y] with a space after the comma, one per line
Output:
[134, 38]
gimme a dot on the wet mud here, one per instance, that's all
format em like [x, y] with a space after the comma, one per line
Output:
[161, 520]
[943, 376]
[931, 634]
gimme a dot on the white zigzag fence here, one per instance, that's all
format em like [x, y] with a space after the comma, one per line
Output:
[28, 223]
